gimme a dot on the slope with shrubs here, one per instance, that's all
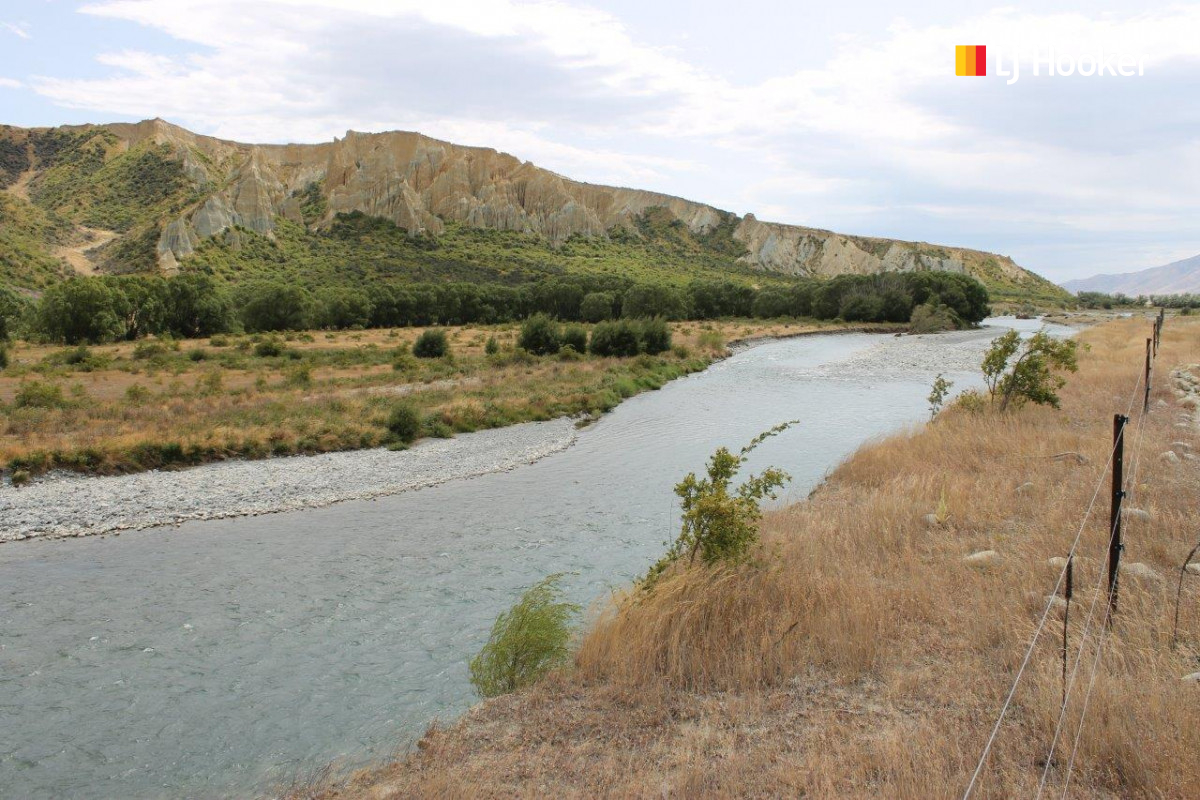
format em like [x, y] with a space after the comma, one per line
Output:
[855, 653]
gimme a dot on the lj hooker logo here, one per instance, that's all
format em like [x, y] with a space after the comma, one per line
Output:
[970, 60]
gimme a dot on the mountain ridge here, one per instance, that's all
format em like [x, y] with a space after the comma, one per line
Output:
[1177, 277]
[176, 189]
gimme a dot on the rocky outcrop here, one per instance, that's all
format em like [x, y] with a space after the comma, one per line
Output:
[420, 184]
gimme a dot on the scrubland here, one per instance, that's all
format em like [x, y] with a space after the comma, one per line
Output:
[857, 654]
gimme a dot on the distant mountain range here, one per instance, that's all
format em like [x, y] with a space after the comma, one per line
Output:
[152, 196]
[1178, 277]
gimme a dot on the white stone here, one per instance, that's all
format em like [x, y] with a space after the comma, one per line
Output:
[984, 558]
[1193, 678]
[1136, 569]
[1137, 513]
[1025, 488]
[1170, 457]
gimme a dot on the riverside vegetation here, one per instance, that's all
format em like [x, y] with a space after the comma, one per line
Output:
[855, 650]
[160, 402]
[230, 371]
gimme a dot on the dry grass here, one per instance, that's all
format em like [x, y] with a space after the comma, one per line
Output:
[235, 404]
[859, 656]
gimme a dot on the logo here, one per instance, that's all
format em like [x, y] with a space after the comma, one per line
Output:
[970, 60]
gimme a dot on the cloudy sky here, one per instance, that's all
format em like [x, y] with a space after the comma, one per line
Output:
[843, 115]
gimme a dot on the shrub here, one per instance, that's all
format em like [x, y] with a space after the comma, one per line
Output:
[404, 422]
[20, 477]
[150, 350]
[431, 344]
[492, 347]
[36, 394]
[219, 341]
[614, 339]
[526, 642]
[540, 335]
[299, 376]
[197, 354]
[932, 317]
[720, 523]
[575, 337]
[270, 347]
[136, 394]
[655, 336]
[938, 394]
[3, 357]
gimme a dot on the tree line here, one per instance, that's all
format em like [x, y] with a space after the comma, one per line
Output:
[1119, 300]
[195, 304]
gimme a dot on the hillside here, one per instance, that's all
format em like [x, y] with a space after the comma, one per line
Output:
[1178, 277]
[145, 196]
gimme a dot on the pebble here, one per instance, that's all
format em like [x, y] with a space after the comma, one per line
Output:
[77, 505]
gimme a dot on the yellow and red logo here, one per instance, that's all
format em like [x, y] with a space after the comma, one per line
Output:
[970, 60]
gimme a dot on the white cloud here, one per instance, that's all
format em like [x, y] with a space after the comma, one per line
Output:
[10, 83]
[882, 138]
[20, 29]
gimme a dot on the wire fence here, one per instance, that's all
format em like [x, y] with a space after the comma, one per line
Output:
[1097, 628]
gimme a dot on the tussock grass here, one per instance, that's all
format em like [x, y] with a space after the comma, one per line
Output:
[857, 655]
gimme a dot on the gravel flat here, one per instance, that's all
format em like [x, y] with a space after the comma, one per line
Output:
[73, 505]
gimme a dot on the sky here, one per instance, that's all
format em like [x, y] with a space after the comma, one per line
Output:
[840, 115]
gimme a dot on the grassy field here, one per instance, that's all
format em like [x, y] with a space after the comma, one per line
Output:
[859, 655]
[151, 404]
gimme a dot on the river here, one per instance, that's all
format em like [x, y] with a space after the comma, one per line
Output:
[227, 657]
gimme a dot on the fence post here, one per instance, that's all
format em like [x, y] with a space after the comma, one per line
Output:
[1146, 403]
[1114, 516]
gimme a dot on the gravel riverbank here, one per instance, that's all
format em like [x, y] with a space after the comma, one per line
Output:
[75, 505]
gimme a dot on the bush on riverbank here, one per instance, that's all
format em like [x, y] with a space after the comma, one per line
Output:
[526, 642]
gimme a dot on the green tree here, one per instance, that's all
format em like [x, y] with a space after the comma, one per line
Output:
[196, 306]
[1017, 372]
[597, 306]
[526, 642]
[540, 335]
[720, 521]
[339, 308]
[938, 394]
[271, 306]
[81, 310]
[12, 308]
